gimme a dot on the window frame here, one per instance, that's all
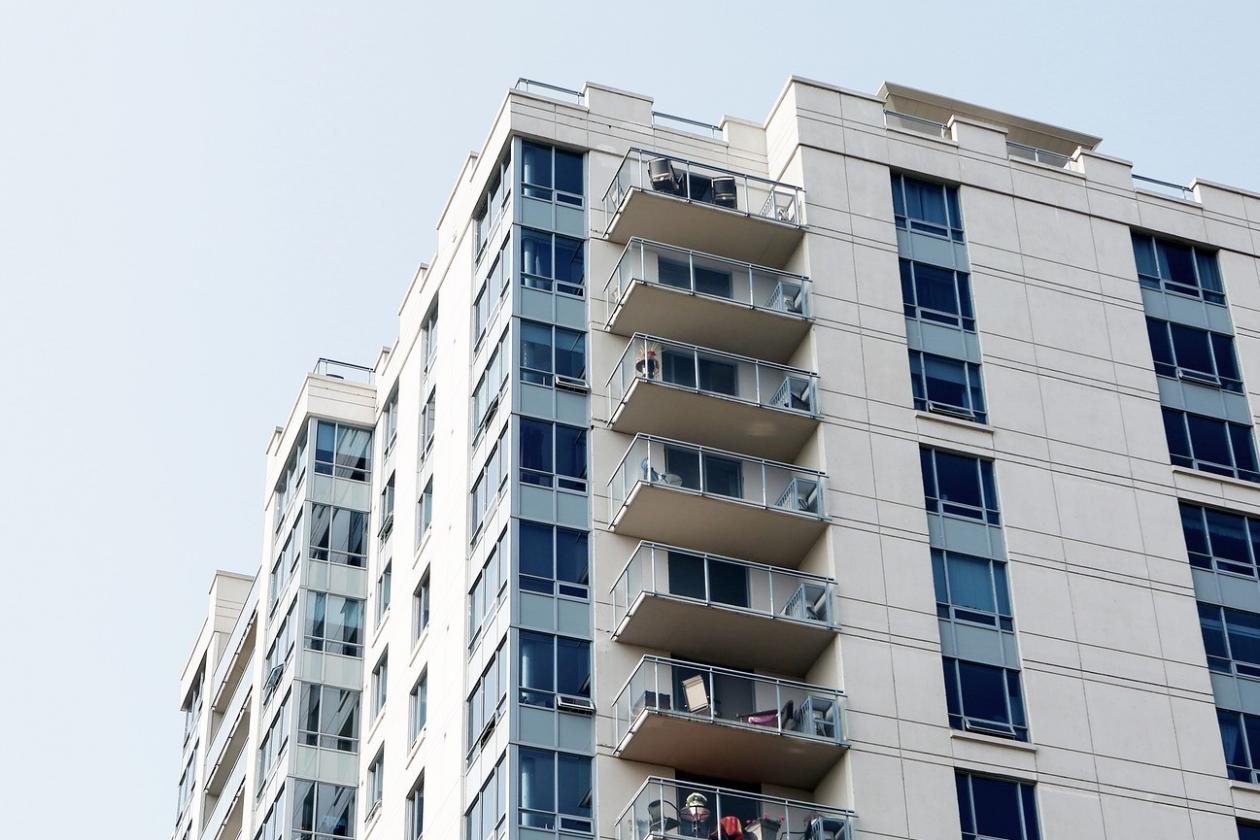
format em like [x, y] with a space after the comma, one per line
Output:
[544, 697]
[553, 479]
[999, 589]
[1016, 725]
[973, 388]
[553, 585]
[360, 469]
[554, 819]
[986, 483]
[1170, 368]
[1199, 258]
[951, 230]
[1179, 421]
[323, 643]
[552, 283]
[418, 707]
[550, 377]
[380, 685]
[318, 737]
[1219, 563]
[1025, 796]
[964, 318]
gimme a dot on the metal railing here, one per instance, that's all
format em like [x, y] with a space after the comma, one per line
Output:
[919, 125]
[688, 468]
[735, 698]
[228, 797]
[550, 91]
[707, 275]
[712, 372]
[232, 717]
[667, 808]
[768, 591]
[686, 124]
[1164, 188]
[688, 180]
[234, 641]
[1037, 154]
[334, 369]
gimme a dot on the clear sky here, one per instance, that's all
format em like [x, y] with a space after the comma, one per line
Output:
[198, 199]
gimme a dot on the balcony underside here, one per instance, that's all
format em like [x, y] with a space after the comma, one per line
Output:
[708, 322]
[717, 525]
[724, 635]
[748, 754]
[707, 419]
[701, 226]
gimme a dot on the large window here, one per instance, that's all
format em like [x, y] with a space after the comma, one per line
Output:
[339, 535]
[187, 784]
[971, 589]
[1193, 354]
[1176, 267]
[926, 207]
[274, 826]
[551, 261]
[959, 485]
[286, 486]
[1240, 735]
[945, 385]
[387, 508]
[486, 817]
[334, 624]
[343, 451]
[554, 560]
[418, 708]
[278, 654]
[996, 809]
[376, 780]
[1232, 640]
[384, 592]
[389, 422]
[1221, 541]
[555, 790]
[330, 718]
[551, 666]
[415, 811]
[488, 700]
[420, 608]
[931, 293]
[490, 386]
[489, 482]
[490, 585]
[493, 202]
[551, 174]
[552, 354]
[274, 740]
[490, 295]
[380, 685]
[429, 334]
[424, 511]
[984, 698]
[1211, 445]
[428, 422]
[286, 562]
[322, 810]
[1248, 831]
[553, 454]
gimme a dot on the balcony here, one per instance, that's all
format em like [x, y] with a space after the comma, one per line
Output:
[718, 722]
[666, 809]
[716, 500]
[723, 609]
[226, 818]
[712, 301]
[657, 196]
[229, 739]
[682, 391]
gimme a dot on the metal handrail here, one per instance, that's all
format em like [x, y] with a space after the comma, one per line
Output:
[939, 129]
[714, 131]
[1038, 155]
[232, 715]
[713, 449]
[1165, 188]
[527, 86]
[334, 369]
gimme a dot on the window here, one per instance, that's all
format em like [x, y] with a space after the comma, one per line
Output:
[286, 485]
[948, 386]
[380, 680]
[553, 454]
[278, 654]
[425, 517]
[286, 562]
[1247, 831]
[550, 354]
[420, 608]
[492, 478]
[274, 740]
[192, 703]
[551, 557]
[485, 818]
[996, 809]
[551, 174]
[418, 707]
[551, 261]
[376, 781]
[1232, 640]
[428, 422]
[959, 485]
[1219, 540]
[1176, 267]
[429, 334]
[555, 790]
[339, 535]
[488, 700]
[490, 294]
[490, 209]
[187, 784]
[971, 589]
[322, 810]
[275, 825]
[389, 421]
[1211, 445]
[552, 665]
[926, 207]
[387, 508]
[334, 624]
[491, 582]
[330, 718]
[1193, 354]
[942, 295]
[1240, 735]
[490, 386]
[343, 451]
[984, 698]
[383, 587]
[415, 811]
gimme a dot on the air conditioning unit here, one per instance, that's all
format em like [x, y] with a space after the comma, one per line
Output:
[574, 704]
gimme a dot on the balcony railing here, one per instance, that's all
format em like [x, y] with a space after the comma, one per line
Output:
[919, 125]
[228, 799]
[235, 640]
[707, 275]
[667, 808]
[1038, 155]
[732, 698]
[334, 369]
[713, 373]
[688, 180]
[688, 468]
[719, 581]
[1165, 188]
[233, 715]
[550, 91]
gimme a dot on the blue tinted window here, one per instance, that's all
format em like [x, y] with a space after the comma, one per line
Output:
[996, 809]
[947, 385]
[1240, 737]
[984, 698]
[971, 588]
[553, 454]
[1232, 640]
[1217, 539]
[554, 559]
[1209, 444]
[926, 207]
[1248, 832]
[960, 485]
[1194, 354]
[931, 293]
[1177, 267]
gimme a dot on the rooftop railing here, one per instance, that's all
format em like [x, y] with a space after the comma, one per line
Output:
[1037, 154]
[715, 580]
[687, 124]
[334, 369]
[734, 698]
[919, 125]
[688, 180]
[550, 91]
[711, 372]
[1166, 188]
[754, 286]
[688, 468]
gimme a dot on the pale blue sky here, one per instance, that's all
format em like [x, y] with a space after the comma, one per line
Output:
[199, 199]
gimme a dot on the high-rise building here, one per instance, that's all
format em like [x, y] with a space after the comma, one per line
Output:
[884, 469]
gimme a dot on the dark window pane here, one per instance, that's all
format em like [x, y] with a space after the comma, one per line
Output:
[1161, 347]
[686, 575]
[998, 808]
[723, 476]
[983, 692]
[1232, 738]
[957, 479]
[1176, 263]
[1207, 439]
[1178, 440]
[536, 253]
[1191, 347]
[575, 785]
[1144, 254]
[1244, 636]
[1223, 351]
[536, 346]
[570, 265]
[571, 451]
[536, 446]
[573, 667]
[570, 353]
[536, 169]
[572, 559]
[569, 172]
[684, 463]
[536, 549]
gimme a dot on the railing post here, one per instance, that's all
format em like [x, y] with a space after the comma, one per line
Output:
[652, 552]
[778, 704]
[770, 587]
[706, 579]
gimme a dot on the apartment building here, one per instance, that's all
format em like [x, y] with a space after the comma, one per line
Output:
[883, 469]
